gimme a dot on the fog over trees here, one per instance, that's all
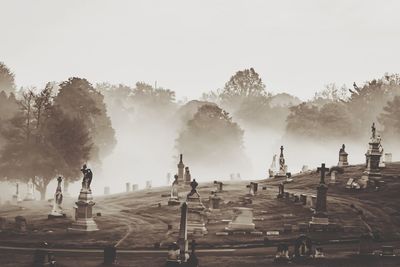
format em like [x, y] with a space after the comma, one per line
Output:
[134, 133]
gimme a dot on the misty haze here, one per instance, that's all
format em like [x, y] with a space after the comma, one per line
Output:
[199, 134]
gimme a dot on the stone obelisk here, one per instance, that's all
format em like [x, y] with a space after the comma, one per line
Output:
[83, 214]
[181, 169]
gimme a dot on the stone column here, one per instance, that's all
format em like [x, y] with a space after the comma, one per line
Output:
[181, 168]
[182, 241]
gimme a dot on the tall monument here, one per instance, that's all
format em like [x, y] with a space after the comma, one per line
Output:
[57, 211]
[372, 172]
[196, 212]
[343, 157]
[282, 167]
[83, 214]
[181, 169]
[320, 216]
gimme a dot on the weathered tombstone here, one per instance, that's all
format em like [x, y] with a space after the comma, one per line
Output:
[343, 157]
[303, 199]
[281, 192]
[302, 247]
[174, 197]
[188, 177]
[282, 167]
[366, 245]
[304, 168]
[272, 168]
[388, 251]
[242, 220]
[196, 209]
[30, 191]
[218, 186]
[135, 187]
[388, 157]
[333, 177]
[320, 217]
[183, 234]
[181, 168]
[148, 184]
[127, 187]
[319, 253]
[16, 198]
[21, 224]
[215, 201]
[57, 211]
[3, 222]
[43, 257]
[106, 190]
[255, 187]
[282, 253]
[110, 255]
[373, 155]
[83, 213]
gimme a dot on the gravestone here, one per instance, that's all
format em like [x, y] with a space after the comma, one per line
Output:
[304, 169]
[30, 191]
[282, 253]
[320, 217]
[16, 199]
[282, 167]
[215, 201]
[183, 234]
[196, 212]
[388, 157]
[83, 213]
[188, 177]
[388, 251]
[303, 199]
[366, 245]
[281, 189]
[343, 157]
[173, 256]
[135, 187]
[242, 220]
[127, 187]
[181, 169]
[255, 187]
[218, 186]
[148, 184]
[373, 155]
[272, 168]
[174, 197]
[106, 190]
[319, 253]
[43, 257]
[110, 255]
[57, 211]
[21, 224]
[381, 160]
[302, 247]
[333, 177]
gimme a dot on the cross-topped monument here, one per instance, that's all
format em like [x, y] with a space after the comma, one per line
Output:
[322, 170]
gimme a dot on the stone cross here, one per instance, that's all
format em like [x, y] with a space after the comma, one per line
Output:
[322, 170]
[182, 241]
[373, 130]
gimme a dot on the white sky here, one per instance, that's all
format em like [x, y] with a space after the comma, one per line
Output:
[195, 46]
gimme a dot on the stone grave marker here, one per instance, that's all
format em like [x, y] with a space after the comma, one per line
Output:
[303, 199]
[106, 190]
[343, 157]
[127, 187]
[57, 210]
[320, 217]
[20, 224]
[242, 220]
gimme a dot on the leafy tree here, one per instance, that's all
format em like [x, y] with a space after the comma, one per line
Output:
[211, 136]
[7, 83]
[78, 99]
[390, 118]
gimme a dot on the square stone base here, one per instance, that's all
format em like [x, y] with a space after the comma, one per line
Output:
[84, 225]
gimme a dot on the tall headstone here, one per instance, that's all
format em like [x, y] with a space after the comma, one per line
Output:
[57, 211]
[320, 215]
[242, 220]
[282, 167]
[181, 168]
[372, 172]
[128, 187]
[196, 212]
[16, 198]
[148, 184]
[343, 157]
[83, 214]
[30, 191]
[219, 186]
[188, 177]
[183, 234]
[272, 168]
[174, 197]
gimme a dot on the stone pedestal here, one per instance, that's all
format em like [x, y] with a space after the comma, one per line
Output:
[343, 157]
[242, 221]
[181, 169]
[56, 212]
[195, 220]
[372, 172]
[215, 202]
[83, 214]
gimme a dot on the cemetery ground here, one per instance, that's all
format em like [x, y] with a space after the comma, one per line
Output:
[142, 220]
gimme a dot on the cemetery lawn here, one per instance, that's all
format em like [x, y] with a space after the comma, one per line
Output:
[136, 220]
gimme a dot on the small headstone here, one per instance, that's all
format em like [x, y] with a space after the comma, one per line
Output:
[304, 168]
[303, 199]
[174, 196]
[282, 253]
[218, 186]
[215, 202]
[319, 253]
[148, 184]
[127, 187]
[242, 220]
[21, 224]
[388, 251]
[135, 187]
[110, 255]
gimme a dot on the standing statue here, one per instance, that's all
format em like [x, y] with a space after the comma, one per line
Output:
[57, 211]
[194, 185]
[281, 162]
[373, 130]
[59, 195]
[87, 177]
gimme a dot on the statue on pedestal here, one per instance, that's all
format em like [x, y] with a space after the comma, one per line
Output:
[57, 210]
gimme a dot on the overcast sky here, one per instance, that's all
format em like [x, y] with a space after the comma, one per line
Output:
[195, 46]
